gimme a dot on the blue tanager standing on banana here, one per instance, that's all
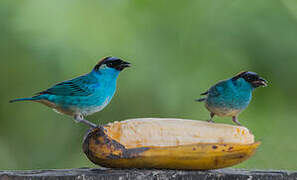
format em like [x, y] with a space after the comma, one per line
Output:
[230, 97]
[85, 94]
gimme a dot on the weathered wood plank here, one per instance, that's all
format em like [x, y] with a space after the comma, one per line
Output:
[123, 174]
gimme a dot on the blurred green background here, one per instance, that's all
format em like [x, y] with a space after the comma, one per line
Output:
[178, 49]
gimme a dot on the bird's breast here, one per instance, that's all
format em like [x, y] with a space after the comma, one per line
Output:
[94, 108]
[228, 103]
[223, 111]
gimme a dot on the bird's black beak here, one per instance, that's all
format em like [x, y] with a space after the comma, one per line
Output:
[126, 64]
[123, 65]
[260, 82]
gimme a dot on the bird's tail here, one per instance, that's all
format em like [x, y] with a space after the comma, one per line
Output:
[22, 99]
[200, 100]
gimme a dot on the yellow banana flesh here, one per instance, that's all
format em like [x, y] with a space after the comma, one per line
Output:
[111, 145]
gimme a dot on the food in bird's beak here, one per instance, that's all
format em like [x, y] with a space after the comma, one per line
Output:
[126, 64]
[260, 82]
[263, 82]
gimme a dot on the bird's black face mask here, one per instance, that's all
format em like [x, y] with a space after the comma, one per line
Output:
[113, 62]
[253, 78]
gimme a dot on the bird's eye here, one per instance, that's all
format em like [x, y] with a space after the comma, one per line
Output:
[109, 64]
[251, 78]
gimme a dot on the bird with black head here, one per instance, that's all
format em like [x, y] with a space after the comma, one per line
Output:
[230, 97]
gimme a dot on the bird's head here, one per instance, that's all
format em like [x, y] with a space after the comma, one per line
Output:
[252, 78]
[113, 63]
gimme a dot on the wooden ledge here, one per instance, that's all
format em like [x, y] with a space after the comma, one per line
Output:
[103, 173]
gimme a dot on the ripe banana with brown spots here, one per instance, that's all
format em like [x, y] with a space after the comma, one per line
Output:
[168, 143]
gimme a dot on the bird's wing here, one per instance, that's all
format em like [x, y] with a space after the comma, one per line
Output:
[80, 86]
[217, 89]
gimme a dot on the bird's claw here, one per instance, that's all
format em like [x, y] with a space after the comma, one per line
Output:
[80, 119]
[210, 121]
[239, 124]
[234, 119]
[88, 123]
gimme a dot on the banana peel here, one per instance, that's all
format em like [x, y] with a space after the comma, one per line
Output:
[168, 144]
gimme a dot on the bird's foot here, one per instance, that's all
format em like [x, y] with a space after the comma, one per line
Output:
[210, 121]
[211, 117]
[88, 123]
[80, 119]
[239, 124]
[234, 119]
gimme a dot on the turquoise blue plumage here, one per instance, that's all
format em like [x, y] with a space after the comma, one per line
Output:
[230, 97]
[83, 95]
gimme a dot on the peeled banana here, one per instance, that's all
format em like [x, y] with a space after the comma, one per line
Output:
[168, 143]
